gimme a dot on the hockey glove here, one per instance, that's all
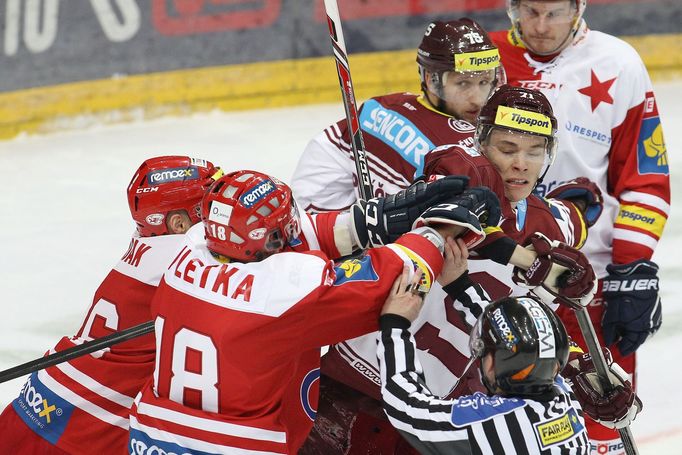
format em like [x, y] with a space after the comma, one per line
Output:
[633, 306]
[382, 220]
[615, 409]
[560, 273]
[584, 194]
[472, 210]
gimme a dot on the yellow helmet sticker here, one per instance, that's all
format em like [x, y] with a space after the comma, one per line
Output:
[477, 61]
[519, 119]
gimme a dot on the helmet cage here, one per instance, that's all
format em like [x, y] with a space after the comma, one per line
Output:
[513, 11]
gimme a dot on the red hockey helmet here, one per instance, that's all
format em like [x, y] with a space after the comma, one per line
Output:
[249, 215]
[518, 109]
[167, 183]
[514, 13]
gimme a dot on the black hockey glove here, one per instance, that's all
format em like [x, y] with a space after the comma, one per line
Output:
[474, 209]
[633, 306]
[585, 194]
[382, 220]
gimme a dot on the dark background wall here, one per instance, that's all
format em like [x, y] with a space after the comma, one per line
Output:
[48, 42]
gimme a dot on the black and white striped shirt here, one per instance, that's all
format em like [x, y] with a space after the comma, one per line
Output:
[472, 424]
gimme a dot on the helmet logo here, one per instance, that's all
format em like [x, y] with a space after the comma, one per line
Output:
[257, 234]
[473, 37]
[503, 329]
[220, 213]
[543, 325]
[519, 119]
[257, 193]
[477, 61]
[173, 175]
[154, 219]
[153, 189]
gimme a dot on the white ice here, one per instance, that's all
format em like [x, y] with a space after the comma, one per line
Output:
[64, 222]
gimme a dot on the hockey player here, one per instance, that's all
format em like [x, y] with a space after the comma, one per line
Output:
[237, 308]
[82, 406]
[458, 67]
[440, 332]
[526, 406]
[610, 132]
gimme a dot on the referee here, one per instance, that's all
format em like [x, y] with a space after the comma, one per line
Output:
[521, 345]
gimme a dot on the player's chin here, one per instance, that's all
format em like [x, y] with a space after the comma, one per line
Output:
[517, 192]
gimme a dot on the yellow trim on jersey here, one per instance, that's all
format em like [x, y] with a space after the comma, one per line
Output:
[641, 218]
[417, 261]
[491, 229]
[533, 122]
[477, 61]
[583, 227]
[421, 99]
[574, 347]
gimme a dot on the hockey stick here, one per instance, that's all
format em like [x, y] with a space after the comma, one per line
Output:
[348, 94]
[600, 366]
[76, 351]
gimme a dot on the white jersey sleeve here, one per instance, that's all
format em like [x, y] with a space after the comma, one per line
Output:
[323, 178]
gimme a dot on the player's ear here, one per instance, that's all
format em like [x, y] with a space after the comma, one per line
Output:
[178, 222]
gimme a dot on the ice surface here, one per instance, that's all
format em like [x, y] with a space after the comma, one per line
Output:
[64, 223]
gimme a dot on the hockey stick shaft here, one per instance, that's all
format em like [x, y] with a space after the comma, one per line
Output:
[77, 351]
[601, 367]
[348, 94]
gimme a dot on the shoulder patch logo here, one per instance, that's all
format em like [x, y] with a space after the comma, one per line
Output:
[652, 157]
[355, 270]
[479, 407]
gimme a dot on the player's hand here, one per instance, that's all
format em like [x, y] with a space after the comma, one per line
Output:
[584, 194]
[404, 298]
[614, 409]
[472, 209]
[633, 306]
[559, 273]
[455, 263]
[382, 220]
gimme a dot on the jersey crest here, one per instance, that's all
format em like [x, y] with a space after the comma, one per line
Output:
[355, 270]
[480, 407]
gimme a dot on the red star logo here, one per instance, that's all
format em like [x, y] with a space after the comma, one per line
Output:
[598, 91]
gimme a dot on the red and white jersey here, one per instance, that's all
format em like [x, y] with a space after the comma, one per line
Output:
[82, 406]
[398, 130]
[440, 332]
[609, 132]
[230, 337]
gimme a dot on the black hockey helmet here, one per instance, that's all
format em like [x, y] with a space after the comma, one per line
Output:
[528, 342]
